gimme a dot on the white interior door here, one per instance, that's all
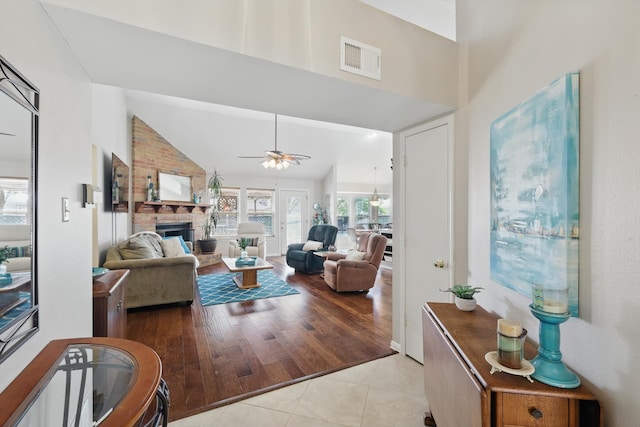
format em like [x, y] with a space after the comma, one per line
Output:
[294, 218]
[427, 226]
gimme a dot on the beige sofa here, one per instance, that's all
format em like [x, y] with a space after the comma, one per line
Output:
[157, 274]
[18, 238]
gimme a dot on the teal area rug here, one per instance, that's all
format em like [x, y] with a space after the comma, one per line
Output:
[220, 288]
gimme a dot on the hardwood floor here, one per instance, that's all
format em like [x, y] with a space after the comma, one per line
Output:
[218, 354]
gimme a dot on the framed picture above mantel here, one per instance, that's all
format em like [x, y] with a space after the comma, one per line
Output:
[535, 227]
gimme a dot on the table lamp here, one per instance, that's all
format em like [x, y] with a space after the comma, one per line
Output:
[551, 307]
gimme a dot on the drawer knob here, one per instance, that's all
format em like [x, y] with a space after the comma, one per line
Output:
[536, 413]
[119, 306]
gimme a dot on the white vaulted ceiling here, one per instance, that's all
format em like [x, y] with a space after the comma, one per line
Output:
[214, 113]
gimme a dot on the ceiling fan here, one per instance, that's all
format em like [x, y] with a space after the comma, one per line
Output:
[275, 158]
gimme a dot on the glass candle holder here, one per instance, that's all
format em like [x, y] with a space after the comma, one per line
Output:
[511, 338]
[550, 300]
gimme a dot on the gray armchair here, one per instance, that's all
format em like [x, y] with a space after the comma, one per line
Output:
[304, 260]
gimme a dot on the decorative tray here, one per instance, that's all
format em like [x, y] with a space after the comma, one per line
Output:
[525, 371]
[248, 261]
[99, 272]
[6, 279]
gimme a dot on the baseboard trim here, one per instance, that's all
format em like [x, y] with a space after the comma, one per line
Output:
[396, 346]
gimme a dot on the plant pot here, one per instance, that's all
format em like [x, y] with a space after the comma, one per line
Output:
[208, 246]
[244, 254]
[465, 304]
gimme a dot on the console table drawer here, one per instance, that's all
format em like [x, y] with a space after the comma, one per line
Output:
[525, 410]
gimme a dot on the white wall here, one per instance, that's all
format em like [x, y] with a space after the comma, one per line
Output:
[514, 50]
[34, 47]
[111, 134]
[303, 34]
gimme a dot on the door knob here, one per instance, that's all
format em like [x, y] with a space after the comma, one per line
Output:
[439, 263]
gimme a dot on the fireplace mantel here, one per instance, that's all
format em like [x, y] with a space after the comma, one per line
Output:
[174, 206]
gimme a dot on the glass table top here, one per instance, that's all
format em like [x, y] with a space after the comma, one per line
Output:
[83, 388]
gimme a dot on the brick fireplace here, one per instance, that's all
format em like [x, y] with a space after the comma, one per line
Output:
[151, 153]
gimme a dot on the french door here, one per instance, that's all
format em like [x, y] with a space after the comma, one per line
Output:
[294, 217]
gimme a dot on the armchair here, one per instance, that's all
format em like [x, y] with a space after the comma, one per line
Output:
[304, 260]
[356, 270]
[251, 230]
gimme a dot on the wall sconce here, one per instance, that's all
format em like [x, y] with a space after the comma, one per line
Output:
[91, 195]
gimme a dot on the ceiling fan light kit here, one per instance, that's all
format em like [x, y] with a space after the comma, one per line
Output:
[276, 159]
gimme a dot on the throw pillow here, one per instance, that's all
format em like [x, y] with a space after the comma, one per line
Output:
[171, 247]
[182, 243]
[312, 245]
[355, 255]
[19, 251]
[153, 240]
[251, 241]
[136, 248]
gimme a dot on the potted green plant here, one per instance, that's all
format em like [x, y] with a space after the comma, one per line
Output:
[4, 257]
[243, 243]
[464, 296]
[209, 243]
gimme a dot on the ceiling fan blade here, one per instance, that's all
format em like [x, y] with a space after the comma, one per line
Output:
[251, 157]
[8, 134]
[300, 156]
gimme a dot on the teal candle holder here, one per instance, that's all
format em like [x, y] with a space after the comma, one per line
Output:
[548, 363]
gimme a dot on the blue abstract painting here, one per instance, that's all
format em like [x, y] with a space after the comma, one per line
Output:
[535, 228]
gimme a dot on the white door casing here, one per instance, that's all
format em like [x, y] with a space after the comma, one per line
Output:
[428, 234]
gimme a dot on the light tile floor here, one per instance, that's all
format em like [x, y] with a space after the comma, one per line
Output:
[382, 393]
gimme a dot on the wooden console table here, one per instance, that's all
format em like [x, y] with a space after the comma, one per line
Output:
[110, 305]
[461, 391]
[88, 381]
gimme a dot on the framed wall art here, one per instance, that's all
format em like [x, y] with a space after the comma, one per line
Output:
[535, 227]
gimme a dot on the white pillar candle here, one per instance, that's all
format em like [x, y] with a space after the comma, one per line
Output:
[509, 328]
[556, 301]
[551, 306]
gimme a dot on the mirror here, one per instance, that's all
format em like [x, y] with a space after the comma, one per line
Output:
[19, 100]
[174, 187]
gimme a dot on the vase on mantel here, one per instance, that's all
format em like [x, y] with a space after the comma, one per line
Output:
[465, 304]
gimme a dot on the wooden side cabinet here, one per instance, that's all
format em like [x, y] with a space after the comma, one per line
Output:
[109, 305]
[461, 391]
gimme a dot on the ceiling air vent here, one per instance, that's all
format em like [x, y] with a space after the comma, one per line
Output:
[359, 58]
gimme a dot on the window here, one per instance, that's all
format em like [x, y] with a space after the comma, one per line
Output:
[260, 208]
[384, 211]
[228, 212]
[355, 211]
[14, 199]
[343, 213]
[362, 210]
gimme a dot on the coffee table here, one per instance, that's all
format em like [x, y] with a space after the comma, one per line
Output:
[247, 276]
